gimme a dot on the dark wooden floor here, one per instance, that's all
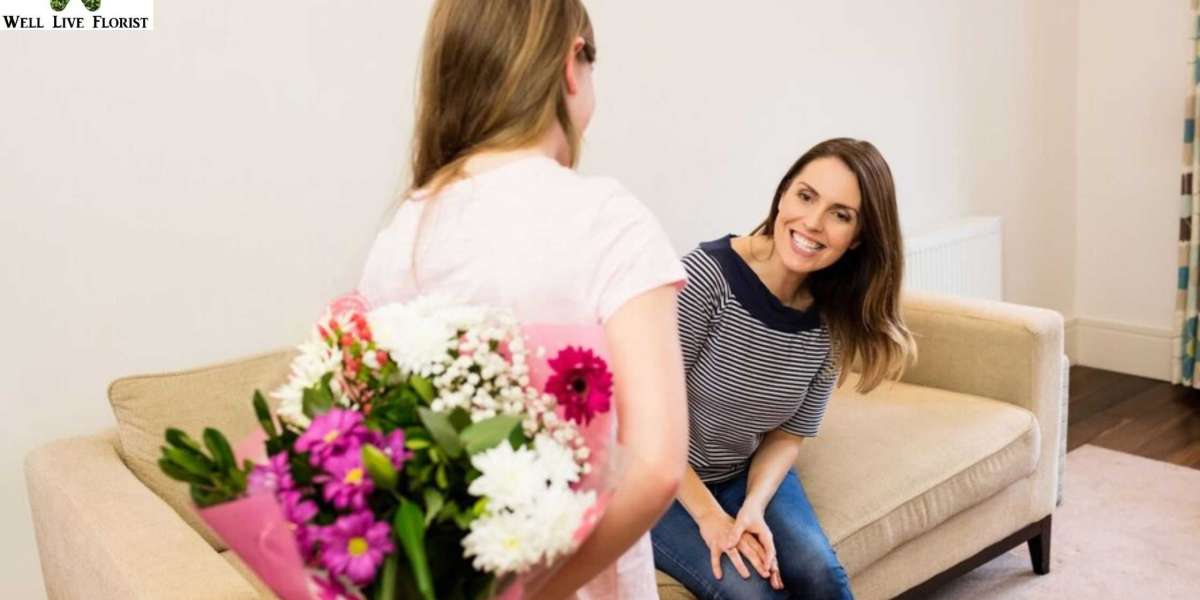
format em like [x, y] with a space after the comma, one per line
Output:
[1132, 414]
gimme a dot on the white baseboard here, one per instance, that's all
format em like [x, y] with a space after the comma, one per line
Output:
[1121, 347]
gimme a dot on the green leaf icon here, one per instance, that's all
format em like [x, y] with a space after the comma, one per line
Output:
[59, 5]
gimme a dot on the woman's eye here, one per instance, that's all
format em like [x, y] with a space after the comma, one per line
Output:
[805, 196]
[843, 216]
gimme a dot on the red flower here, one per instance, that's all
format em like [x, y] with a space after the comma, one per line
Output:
[581, 382]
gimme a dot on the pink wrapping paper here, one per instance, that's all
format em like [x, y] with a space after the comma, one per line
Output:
[255, 529]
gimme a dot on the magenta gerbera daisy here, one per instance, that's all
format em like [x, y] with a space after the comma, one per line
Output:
[355, 546]
[581, 382]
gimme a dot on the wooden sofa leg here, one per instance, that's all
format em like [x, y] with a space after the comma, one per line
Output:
[1039, 548]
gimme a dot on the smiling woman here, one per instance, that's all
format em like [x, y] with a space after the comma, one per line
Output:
[768, 324]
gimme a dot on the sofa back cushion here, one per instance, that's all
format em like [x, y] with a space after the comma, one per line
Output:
[216, 396]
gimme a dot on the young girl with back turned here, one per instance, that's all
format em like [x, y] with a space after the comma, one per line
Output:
[498, 216]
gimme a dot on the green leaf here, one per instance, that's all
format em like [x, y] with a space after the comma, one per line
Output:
[219, 447]
[479, 507]
[463, 520]
[263, 412]
[487, 434]
[423, 387]
[181, 440]
[178, 473]
[517, 438]
[442, 480]
[460, 419]
[238, 478]
[419, 475]
[416, 444]
[449, 511]
[379, 467]
[387, 581]
[204, 497]
[317, 401]
[192, 463]
[442, 431]
[433, 504]
[410, 530]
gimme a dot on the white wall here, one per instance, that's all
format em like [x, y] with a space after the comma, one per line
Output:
[972, 103]
[1133, 77]
[197, 192]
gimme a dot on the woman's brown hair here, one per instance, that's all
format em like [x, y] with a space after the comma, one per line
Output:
[492, 79]
[859, 295]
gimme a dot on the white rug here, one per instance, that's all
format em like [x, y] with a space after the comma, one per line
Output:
[1129, 528]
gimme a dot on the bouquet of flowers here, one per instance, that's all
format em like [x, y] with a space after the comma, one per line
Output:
[429, 450]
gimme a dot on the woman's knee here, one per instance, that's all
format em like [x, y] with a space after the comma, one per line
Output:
[733, 587]
[815, 573]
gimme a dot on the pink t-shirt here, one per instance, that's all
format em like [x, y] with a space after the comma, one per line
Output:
[545, 242]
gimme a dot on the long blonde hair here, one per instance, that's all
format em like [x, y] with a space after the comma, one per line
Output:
[859, 295]
[492, 79]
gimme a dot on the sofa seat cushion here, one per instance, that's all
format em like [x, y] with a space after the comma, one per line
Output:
[895, 463]
[264, 592]
[217, 396]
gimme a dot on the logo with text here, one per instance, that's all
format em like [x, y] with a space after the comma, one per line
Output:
[67, 15]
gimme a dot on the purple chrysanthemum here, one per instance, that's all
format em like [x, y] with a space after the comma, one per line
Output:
[392, 445]
[345, 483]
[581, 382]
[275, 476]
[331, 433]
[329, 588]
[296, 508]
[355, 546]
[307, 538]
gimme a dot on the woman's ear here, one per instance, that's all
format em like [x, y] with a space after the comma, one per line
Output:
[572, 66]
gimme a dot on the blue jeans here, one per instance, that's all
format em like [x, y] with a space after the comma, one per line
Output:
[808, 564]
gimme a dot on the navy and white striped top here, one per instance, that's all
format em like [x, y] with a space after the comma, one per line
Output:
[753, 364]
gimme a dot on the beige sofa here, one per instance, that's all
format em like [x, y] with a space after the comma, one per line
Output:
[913, 482]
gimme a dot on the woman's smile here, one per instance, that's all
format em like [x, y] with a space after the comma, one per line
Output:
[805, 246]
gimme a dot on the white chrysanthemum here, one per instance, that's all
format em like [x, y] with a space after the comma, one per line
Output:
[503, 543]
[511, 541]
[316, 359]
[509, 478]
[560, 513]
[414, 337]
[557, 461]
[292, 412]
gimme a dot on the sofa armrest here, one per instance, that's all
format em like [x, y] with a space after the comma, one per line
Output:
[103, 534]
[998, 350]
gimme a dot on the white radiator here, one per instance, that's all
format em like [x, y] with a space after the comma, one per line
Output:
[961, 258]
